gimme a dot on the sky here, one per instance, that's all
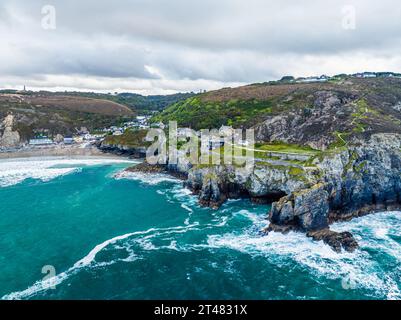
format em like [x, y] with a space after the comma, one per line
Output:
[168, 46]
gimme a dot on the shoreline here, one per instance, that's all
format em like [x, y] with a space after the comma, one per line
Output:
[58, 151]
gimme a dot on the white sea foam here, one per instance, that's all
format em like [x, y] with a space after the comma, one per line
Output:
[13, 172]
[255, 218]
[184, 206]
[320, 260]
[147, 178]
[376, 231]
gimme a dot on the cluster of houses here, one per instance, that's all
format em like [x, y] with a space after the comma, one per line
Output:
[82, 136]
[216, 138]
[377, 75]
[324, 78]
[141, 122]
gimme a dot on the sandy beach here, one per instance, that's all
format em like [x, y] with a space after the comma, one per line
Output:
[56, 151]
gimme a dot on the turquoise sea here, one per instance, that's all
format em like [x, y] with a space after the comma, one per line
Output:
[112, 236]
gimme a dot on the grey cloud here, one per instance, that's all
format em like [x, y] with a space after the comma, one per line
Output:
[177, 41]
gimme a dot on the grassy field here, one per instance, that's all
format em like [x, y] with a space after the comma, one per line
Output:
[280, 147]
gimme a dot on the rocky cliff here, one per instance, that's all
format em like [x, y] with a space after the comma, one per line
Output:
[9, 137]
[131, 143]
[352, 128]
[335, 185]
[350, 182]
[122, 149]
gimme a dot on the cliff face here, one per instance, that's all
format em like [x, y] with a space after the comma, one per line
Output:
[9, 137]
[358, 180]
[352, 128]
[314, 125]
[122, 149]
[130, 143]
[262, 184]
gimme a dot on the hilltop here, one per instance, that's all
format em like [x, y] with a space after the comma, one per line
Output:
[318, 114]
[138, 103]
[65, 113]
[58, 114]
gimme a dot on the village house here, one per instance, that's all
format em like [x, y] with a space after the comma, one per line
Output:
[40, 141]
[68, 140]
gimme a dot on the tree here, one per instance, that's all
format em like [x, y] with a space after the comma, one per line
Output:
[287, 79]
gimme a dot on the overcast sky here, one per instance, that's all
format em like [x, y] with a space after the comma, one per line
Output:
[165, 46]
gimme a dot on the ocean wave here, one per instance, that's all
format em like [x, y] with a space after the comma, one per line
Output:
[13, 172]
[257, 220]
[377, 232]
[360, 268]
[190, 211]
[147, 178]
[13, 177]
[89, 259]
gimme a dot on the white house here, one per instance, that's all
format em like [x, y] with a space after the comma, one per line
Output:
[40, 142]
[68, 140]
[322, 78]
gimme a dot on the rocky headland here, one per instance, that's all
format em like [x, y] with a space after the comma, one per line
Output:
[325, 152]
[337, 186]
[353, 166]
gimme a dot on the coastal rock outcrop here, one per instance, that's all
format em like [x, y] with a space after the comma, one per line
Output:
[121, 149]
[304, 210]
[215, 184]
[311, 125]
[336, 186]
[360, 180]
[327, 151]
[350, 182]
[336, 240]
[9, 137]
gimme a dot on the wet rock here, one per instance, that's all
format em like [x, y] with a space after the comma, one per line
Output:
[210, 194]
[123, 150]
[284, 229]
[145, 167]
[306, 209]
[336, 240]
[359, 180]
